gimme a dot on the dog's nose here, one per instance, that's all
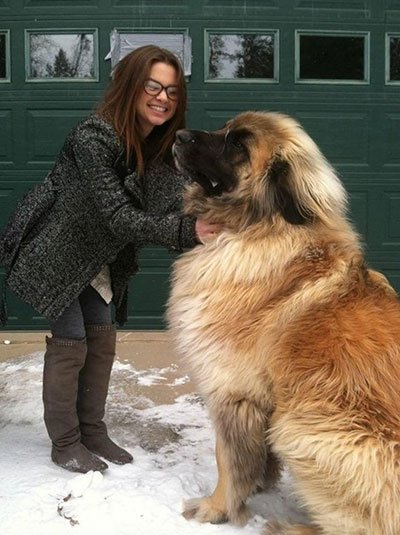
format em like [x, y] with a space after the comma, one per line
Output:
[185, 136]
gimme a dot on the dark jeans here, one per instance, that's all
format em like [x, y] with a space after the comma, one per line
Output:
[88, 309]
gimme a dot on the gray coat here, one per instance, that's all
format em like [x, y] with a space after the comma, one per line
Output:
[90, 211]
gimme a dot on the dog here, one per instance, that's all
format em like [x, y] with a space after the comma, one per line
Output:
[293, 341]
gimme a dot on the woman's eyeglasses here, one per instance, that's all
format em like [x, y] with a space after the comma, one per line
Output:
[154, 88]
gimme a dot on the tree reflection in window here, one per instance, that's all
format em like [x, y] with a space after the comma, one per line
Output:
[68, 56]
[3, 73]
[332, 57]
[233, 56]
[395, 58]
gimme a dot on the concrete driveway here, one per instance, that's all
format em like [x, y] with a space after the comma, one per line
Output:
[145, 350]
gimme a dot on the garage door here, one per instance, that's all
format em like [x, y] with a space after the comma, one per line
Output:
[334, 65]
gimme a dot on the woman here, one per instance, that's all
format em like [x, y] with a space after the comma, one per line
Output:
[71, 245]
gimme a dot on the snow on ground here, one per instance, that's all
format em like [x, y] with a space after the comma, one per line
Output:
[173, 447]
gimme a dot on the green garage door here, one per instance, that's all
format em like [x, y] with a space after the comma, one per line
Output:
[334, 65]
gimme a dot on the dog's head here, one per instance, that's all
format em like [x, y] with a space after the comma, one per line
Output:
[259, 166]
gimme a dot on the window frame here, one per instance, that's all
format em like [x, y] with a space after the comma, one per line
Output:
[61, 31]
[388, 36]
[7, 78]
[232, 31]
[332, 33]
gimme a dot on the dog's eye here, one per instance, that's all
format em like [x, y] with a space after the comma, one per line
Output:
[237, 144]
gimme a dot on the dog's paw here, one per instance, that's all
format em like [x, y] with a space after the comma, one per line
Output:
[203, 510]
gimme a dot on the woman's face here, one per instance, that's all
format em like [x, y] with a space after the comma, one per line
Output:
[157, 109]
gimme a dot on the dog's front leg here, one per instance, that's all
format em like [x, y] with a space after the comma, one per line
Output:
[242, 455]
[212, 508]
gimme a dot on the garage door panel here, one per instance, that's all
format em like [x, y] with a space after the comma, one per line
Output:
[45, 132]
[356, 125]
[10, 193]
[375, 211]
[213, 119]
[391, 207]
[383, 234]
[149, 290]
[6, 139]
[21, 315]
[359, 211]
[391, 129]
[342, 136]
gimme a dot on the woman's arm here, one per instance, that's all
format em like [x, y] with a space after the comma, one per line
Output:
[95, 150]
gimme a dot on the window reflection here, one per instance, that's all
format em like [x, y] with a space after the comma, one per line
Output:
[394, 59]
[241, 56]
[332, 57]
[3, 65]
[61, 56]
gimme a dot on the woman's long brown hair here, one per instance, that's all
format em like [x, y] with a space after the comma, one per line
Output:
[118, 105]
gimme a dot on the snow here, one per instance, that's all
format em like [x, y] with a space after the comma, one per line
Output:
[173, 448]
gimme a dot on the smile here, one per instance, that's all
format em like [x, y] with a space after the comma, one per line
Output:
[159, 109]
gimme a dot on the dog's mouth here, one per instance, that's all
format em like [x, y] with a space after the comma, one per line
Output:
[212, 186]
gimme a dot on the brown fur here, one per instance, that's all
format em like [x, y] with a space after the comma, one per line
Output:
[294, 343]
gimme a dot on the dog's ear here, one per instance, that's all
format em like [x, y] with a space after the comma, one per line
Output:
[284, 193]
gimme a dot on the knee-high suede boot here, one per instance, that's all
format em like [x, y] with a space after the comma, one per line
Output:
[63, 361]
[94, 379]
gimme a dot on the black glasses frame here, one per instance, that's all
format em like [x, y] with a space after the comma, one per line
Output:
[171, 95]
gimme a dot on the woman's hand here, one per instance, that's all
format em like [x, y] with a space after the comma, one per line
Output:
[206, 230]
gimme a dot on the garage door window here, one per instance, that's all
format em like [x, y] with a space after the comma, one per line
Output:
[241, 57]
[393, 58]
[61, 56]
[4, 56]
[333, 57]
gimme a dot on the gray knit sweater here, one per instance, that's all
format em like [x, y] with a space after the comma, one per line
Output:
[90, 210]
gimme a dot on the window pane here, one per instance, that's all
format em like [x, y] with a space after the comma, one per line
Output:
[329, 57]
[3, 72]
[61, 56]
[395, 58]
[235, 56]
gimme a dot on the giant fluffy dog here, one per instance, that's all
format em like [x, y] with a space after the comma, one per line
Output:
[295, 344]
